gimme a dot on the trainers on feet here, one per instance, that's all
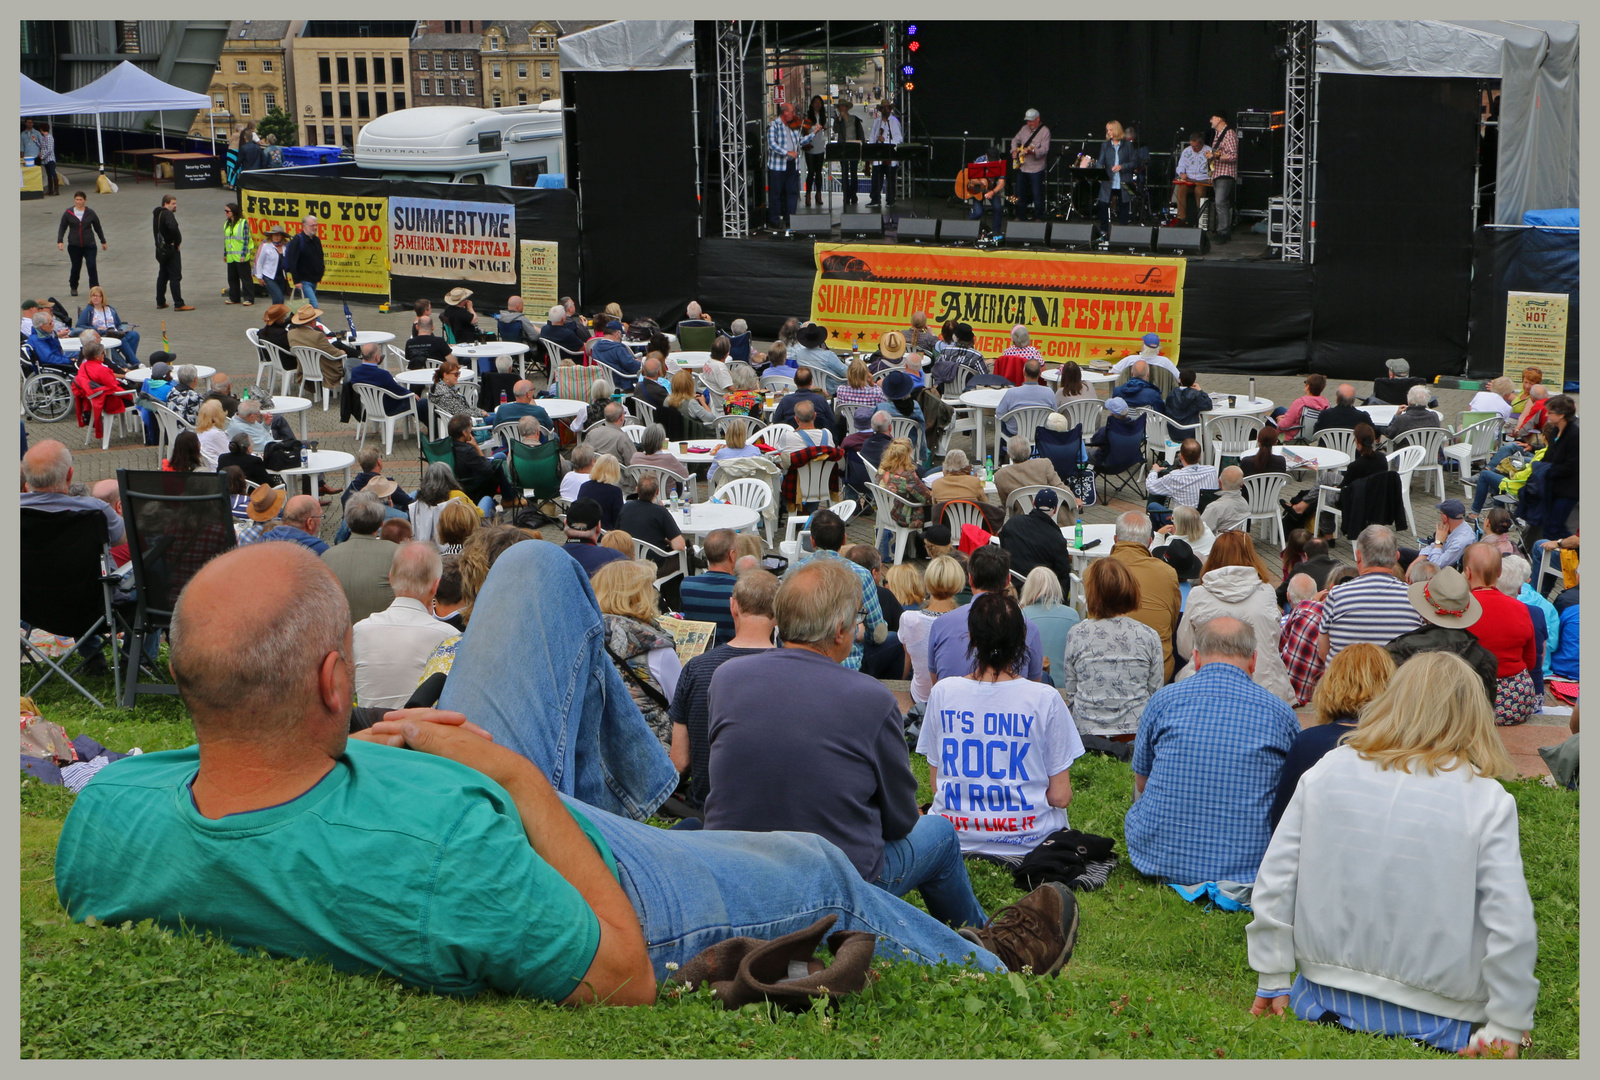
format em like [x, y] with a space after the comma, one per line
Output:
[1037, 932]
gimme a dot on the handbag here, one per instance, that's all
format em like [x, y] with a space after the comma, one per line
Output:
[260, 395]
[296, 299]
[1081, 483]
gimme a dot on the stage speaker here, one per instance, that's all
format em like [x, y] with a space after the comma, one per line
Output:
[1026, 232]
[1131, 237]
[1074, 234]
[811, 224]
[919, 229]
[868, 223]
[959, 230]
[1182, 241]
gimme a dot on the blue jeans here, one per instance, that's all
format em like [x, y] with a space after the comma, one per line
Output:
[1030, 195]
[783, 192]
[532, 669]
[997, 224]
[1487, 482]
[928, 859]
[309, 288]
[692, 889]
[274, 290]
[129, 347]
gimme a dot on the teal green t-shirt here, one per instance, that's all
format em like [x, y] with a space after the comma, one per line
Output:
[396, 861]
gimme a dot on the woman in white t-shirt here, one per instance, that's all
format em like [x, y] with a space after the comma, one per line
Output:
[943, 579]
[998, 745]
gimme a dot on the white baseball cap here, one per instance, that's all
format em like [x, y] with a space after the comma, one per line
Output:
[1031, 114]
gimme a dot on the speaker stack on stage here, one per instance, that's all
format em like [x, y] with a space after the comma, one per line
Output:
[960, 230]
[862, 223]
[1131, 237]
[1178, 240]
[918, 230]
[810, 224]
[1073, 235]
[1026, 233]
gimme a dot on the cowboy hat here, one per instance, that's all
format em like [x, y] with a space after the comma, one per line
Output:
[306, 316]
[380, 486]
[456, 295]
[813, 336]
[275, 313]
[266, 502]
[1446, 600]
[892, 346]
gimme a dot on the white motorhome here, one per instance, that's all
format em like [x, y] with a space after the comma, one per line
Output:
[446, 144]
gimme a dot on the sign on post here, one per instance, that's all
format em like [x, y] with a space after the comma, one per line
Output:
[1536, 336]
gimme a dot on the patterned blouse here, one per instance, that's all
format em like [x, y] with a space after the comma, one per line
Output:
[742, 403]
[1110, 669]
[450, 400]
[909, 486]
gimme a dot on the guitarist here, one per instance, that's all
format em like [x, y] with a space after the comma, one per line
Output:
[1222, 155]
[981, 194]
[1028, 150]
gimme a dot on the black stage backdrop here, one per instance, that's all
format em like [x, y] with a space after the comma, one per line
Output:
[1520, 260]
[542, 214]
[640, 239]
[1393, 224]
[1163, 77]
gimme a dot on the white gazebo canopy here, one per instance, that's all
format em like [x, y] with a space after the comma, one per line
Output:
[125, 88]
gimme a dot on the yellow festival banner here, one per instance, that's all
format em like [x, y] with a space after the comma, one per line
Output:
[1076, 307]
[354, 246]
[1536, 336]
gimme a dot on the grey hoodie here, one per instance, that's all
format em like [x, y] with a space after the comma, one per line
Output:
[1238, 591]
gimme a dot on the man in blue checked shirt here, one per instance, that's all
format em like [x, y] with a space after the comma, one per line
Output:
[783, 172]
[1206, 765]
[827, 533]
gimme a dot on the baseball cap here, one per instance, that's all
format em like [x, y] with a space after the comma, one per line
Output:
[161, 369]
[1117, 406]
[1152, 339]
[1453, 508]
[583, 514]
[1046, 500]
[1031, 114]
[864, 416]
[613, 325]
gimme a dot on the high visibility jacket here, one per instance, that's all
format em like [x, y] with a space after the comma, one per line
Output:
[236, 241]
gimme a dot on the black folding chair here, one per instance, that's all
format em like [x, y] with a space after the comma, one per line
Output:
[66, 589]
[177, 522]
[1124, 464]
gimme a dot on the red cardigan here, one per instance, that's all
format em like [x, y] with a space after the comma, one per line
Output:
[1506, 629]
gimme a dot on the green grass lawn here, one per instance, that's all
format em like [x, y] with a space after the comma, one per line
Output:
[1152, 975]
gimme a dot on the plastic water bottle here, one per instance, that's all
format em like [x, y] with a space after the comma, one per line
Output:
[503, 398]
[1077, 535]
[988, 469]
[688, 512]
[305, 457]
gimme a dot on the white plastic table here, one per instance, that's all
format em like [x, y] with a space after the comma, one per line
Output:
[424, 376]
[282, 405]
[1106, 534]
[708, 517]
[491, 349]
[1320, 458]
[1382, 415]
[140, 374]
[72, 345]
[988, 485]
[1243, 405]
[692, 361]
[1053, 374]
[984, 400]
[321, 462]
[562, 408]
[366, 337]
[675, 448]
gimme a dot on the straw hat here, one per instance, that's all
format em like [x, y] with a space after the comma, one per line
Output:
[1446, 600]
[892, 346]
[456, 295]
[381, 486]
[306, 315]
[266, 503]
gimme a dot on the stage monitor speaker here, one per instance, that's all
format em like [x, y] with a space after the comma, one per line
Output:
[1026, 232]
[959, 229]
[868, 223]
[811, 224]
[1131, 237]
[919, 229]
[1074, 234]
[1182, 241]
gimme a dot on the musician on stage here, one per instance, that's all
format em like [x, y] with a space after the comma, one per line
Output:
[1029, 148]
[783, 168]
[1192, 176]
[1222, 152]
[847, 128]
[813, 138]
[987, 195]
[1116, 157]
[885, 131]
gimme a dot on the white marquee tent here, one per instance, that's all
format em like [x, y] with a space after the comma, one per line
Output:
[125, 88]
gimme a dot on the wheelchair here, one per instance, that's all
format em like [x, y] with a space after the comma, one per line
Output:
[46, 389]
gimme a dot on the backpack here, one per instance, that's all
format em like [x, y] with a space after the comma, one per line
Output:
[281, 454]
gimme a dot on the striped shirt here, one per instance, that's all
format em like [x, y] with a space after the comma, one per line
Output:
[704, 598]
[1374, 607]
[1183, 485]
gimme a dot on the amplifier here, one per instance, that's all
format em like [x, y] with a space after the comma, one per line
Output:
[1179, 240]
[1026, 232]
[1258, 120]
[958, 229]
[1131, 237]
[918, 229]
[1074, 234]
[811, 224]
[869, 223]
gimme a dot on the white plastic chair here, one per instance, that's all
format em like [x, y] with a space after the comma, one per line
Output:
[1027, 419]
[559, 355]
[643, 549]
[666, 481]
[643, 409]
[1262, 491]
[957, 384]
[1477, 444]
[884, 500]
[959, 512]
[397, 356]
[795, 530]
[1405, 461]
[286, 373]
[910, 429]
[773, 434]
[1020, 501]
[1308, 420]
[634, 432]
[1433, 441]
[812, 481]
[777, 384]
[754, 494]
[752, 424]
[1229, 435]
[1157, 436]
[506, 434]
[265, 361]
[1079, 599]
[1084, 411]
[170, 423]
[1337, 438]
[373, 399]
[963, 421]
[128, 419]
[310, 361]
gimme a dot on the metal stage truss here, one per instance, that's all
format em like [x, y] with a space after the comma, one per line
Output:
[1298, 158]
[732, 151]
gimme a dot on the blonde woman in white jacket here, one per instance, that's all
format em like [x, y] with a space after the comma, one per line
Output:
[1394, 882]
[1233, 582]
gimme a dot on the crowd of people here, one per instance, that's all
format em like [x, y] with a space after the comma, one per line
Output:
[576, 712]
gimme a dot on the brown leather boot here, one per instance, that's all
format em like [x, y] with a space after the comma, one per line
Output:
[1037, 932]
[784, 970]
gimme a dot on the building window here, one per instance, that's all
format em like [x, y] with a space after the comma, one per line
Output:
[381, 106]
[438, 61]
[452, 26]
[522, 97]
[466, 61]
[328, 137]
[494, 70]
[219, 67]
[128, 37]
[494, 42]
[422, 61]
[455, 61]
[377, 70]
[327, 107]
[266, 66]
[522, 70]
[495, 98]
[269, 100]
[344, 104]
[244, 104]
[241, 66]
[455, 87]
[422, 88]
[348, 135]
[544, 70]
[324, 70]
[343, 66]
[362, 112]
[544, 95]
[399, 100]
[219, 104]
[438, 88]
[361, 70]
[542, 43]
[469, 87]
[311, 134]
